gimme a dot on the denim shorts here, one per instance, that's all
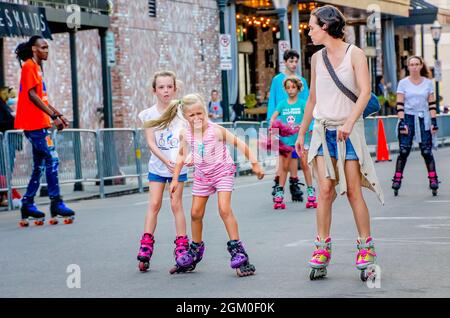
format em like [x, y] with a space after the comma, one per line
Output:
[331, 136]
[155, 178]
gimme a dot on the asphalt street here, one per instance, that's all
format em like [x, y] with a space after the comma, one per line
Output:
[411, 233]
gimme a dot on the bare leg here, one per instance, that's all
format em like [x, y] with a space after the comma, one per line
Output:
[155, 195]
[284, 168]
[356, 199]
[293, 168]
[197, 214]
[226, 213]
[178, 211]
[327, 194]
[306, 169]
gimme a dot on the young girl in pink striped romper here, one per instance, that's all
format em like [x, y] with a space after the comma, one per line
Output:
[214, 172]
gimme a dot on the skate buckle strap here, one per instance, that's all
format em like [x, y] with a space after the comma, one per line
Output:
[362, 255]
[182, 240]
[147, 241]
[321, 252]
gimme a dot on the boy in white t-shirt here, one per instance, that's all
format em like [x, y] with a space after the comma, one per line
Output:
[163, 144]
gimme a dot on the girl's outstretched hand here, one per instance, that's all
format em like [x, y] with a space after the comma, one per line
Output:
[189, 162]
[258, 170]
[173, 187]
[170, 165]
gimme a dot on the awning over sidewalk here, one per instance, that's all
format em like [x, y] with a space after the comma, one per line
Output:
[392, 7]
[423, 12]
[420, 12]
[23, 21]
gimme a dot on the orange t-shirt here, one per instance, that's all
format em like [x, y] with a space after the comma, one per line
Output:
[28, 115]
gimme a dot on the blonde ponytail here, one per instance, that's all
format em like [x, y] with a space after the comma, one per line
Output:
[176, 108]
[166, 118]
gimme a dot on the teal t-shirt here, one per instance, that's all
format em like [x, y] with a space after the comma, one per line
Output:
[291, 115]
[278, 93]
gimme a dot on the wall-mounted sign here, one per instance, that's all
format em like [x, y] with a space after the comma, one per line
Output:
[23, 21]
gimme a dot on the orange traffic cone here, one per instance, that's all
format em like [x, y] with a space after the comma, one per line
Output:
[382, 147]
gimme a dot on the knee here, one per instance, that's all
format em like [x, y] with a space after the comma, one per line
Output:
[196, 215]
[404, 151]
[176, 205]
[327, 193]
[353, 194]
[426, 152]
[225, 213]
[154, 207]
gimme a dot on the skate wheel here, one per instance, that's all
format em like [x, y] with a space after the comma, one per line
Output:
[38, 223]
[312, 274]
[363, 276]
[173, 270]
[317, 273]
[245, 270]
[143, 266]
[53, 222]
[68, 221]
[23, 223]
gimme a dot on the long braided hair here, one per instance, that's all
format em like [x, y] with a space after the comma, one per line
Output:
[24, 51]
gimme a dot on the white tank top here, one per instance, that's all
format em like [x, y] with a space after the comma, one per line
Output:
[331, 103]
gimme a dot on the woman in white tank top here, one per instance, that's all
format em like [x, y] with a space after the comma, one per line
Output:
[338, 149]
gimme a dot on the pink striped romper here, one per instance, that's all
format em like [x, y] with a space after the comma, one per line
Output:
[213, 166]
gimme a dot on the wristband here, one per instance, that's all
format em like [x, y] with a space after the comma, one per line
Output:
[54, 116]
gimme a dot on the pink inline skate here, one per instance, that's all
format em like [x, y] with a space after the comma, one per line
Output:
[366, 258]
[320, 259]
[278, 199]
[311, 200]
[145, 251]
[434, 183]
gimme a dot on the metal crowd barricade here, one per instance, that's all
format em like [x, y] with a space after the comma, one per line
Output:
[18, 159]
[144, 152]
[3, 184]
[78, 155]
[119, 159]
[248, 132]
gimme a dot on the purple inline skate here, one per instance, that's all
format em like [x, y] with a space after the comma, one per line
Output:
[239, 259]
[181, 249]
[189, 260]
[145, 251]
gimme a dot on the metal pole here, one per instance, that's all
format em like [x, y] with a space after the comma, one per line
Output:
[437, 82]
[2, 65]
[284, 32]
[422, 43]
[78, 186]
[225, 104]
[106, 76]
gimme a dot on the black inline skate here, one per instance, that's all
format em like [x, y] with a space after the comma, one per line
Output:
[294, 187]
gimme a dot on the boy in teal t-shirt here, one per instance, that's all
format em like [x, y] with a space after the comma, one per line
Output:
[290, 112]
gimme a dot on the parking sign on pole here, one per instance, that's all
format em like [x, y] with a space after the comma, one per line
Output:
[225, 52]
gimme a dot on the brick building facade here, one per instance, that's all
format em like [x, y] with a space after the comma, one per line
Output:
[183, 37]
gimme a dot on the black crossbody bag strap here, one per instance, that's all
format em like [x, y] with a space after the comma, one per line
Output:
[336, 80]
